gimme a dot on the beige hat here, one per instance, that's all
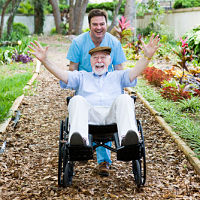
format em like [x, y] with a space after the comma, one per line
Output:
[97, 49]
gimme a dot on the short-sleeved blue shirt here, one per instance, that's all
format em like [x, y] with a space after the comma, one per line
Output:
[78, 51]
[99, 90]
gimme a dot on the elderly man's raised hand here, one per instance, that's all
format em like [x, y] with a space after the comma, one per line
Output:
[152, 46]
[38, 51]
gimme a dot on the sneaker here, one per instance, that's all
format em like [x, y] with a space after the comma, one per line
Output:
[76, 139]
[130, 138]
[104, 169]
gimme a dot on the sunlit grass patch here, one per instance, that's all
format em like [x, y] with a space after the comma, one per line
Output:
[13, 79]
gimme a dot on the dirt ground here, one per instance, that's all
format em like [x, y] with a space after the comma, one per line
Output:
[28, 167]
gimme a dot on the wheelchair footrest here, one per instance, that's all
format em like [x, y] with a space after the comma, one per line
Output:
[80, 153]
[128, 153]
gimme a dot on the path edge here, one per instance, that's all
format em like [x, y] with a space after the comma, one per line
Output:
[18, 100]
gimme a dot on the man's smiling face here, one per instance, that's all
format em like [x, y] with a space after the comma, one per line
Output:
[100, 62]
[98, 27]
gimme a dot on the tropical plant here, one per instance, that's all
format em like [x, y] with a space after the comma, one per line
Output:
[124, 30]
[184, 55]
[132, 49]
[175, 93]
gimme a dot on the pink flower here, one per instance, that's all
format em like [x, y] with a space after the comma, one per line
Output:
[184, 43]
[123, 24]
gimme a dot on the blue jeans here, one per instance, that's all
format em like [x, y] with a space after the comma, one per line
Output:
[103, 154]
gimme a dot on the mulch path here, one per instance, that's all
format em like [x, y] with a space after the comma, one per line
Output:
[29, 165]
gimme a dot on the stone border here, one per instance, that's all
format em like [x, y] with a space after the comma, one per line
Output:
[16, 104]
[191, 156]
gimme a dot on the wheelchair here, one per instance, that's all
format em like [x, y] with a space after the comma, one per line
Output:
[100, 134]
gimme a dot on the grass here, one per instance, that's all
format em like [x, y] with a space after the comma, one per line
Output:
[13, 79]
[182, 122]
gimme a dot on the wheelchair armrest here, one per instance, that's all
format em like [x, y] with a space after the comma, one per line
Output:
[134, 98]
[68, 99]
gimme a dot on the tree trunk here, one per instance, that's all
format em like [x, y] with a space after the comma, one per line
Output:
[130, 11]
[114, 22]
[81, 13]
[71, 17]
[57, 15]
[15, 6]
[2, 16]
[76, 15]
[38, 16]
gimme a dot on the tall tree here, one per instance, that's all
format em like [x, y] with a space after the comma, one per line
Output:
[2, 16]
[77, 11]
[130, 11]
[15, 6]
[114, 22]
[38, 16]
[56, 14]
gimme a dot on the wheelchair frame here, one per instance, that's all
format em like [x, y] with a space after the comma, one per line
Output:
[100, 134]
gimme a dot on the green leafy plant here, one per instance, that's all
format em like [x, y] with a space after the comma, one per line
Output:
[6, 56]
[132, 49]
[86, 30]
[153, 7]
[26, 7]
[190, 105]
[18, 53]
[194, 41]
[186, 4]
[21, 29]
[108, 6]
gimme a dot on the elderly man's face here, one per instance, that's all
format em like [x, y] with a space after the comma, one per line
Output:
[100, 62]
[98, 27]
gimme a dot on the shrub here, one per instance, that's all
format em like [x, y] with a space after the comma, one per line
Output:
[155, 76]
[53, 31]
[26, 8]
[106, 6]
[186, 4]
[20, 29]
[175, 94]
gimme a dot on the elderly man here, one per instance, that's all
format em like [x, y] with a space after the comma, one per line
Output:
[99, 98]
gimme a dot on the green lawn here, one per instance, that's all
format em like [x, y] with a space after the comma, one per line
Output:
[13, 79]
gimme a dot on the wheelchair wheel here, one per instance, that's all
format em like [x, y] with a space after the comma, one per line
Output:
[136, 167]
[60, 158]
[142, 161]
[68, 174]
